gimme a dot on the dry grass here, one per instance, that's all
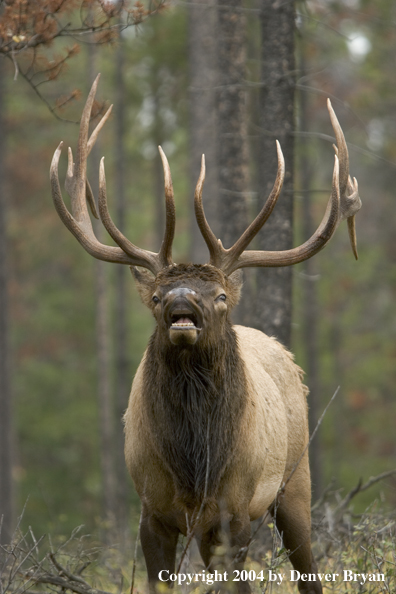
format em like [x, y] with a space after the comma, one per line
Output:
[342, 541]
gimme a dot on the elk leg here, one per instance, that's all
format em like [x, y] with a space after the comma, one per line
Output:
[159, 542]
[239, 534]
[207, 543]
[292, 517]
[239, 540]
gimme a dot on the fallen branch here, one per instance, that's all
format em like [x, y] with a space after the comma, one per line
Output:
[66, 573]
[67, 584]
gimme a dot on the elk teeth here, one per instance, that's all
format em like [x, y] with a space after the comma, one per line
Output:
[190, 324]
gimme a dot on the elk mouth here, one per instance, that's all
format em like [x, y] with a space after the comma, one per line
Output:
[185, 321]
[184, 328]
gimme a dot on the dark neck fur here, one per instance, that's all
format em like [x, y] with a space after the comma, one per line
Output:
[194, 402]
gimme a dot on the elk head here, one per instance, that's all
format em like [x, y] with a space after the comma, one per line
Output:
[190, 302]
[179, 295]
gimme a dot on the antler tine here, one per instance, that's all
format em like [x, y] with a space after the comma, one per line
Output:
[219, 256]
[165, 253]
[138, 256]
[91, 142]
[346, 182]
[341, 150]
[83, 233]
[70, 182]
[77, 174]
[236, 250]
[70, 185]
[95, 133]
[91, 199]
[79, 222]
[214, 245]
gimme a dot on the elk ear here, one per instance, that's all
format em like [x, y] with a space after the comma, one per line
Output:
[145, 284]
[235, 283]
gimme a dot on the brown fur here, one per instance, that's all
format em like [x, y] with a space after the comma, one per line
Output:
[199, 273]
[193, 399]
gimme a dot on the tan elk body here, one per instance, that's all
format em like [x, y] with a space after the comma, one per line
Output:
[275, 397]
[216, 428]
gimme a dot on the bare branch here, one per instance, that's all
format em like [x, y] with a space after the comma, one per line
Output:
[44, 100]
[360, 487]
[66, 573]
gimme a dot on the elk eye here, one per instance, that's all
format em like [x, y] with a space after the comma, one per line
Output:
[221, 297]
[156, 299]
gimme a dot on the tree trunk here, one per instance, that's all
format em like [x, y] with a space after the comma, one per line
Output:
[123, 378]
[202, 21]
[103, 346]
[232, 148]
[274, 285]
[6, 483]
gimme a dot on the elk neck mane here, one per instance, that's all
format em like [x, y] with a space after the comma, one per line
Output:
[194, 400]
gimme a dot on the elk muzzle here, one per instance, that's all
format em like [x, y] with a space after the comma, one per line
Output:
[183, 316]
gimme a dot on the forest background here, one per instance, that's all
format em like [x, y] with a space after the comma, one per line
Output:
[72, 360]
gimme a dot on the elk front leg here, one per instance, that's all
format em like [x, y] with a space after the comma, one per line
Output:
[238, 532]
[159, 541]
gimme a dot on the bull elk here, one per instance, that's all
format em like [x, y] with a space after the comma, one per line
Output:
[217, 417]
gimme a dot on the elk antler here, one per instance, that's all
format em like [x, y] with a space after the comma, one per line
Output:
[219, 256]
[350, 200]
[344, 202]
[79, 190]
